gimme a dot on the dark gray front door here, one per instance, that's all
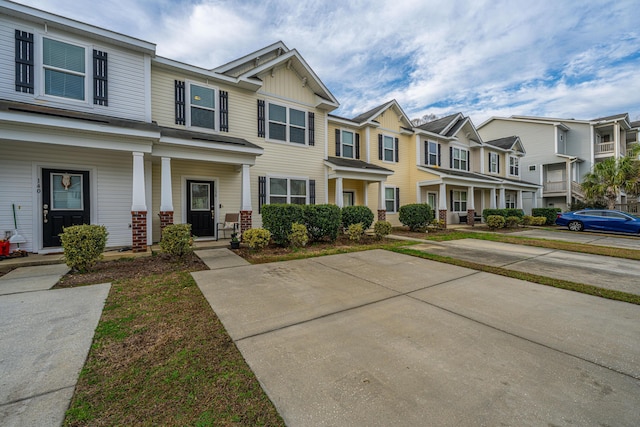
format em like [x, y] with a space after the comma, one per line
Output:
[201, 207]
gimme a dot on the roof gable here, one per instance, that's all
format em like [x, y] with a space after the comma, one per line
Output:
[370, 115]
[509, 143]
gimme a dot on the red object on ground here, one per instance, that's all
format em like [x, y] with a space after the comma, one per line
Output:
[4, 247]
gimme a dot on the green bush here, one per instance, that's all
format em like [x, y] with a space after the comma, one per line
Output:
[277, 218]
[355, 232]
[527, 220]
[176, 240]
[322, 221]
[298, 237]
[513, 221]
[83, 245]
[539, 220]
[495, 221]
[437, 224]
[256, 238]
[502, 212]
[355, 215]
[549, 213]
[382, 228]
[416, 215]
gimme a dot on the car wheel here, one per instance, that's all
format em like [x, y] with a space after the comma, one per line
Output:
[575, 226]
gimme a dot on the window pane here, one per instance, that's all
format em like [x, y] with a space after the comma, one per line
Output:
[389, 193]
[298, 187]
[297, 117]
[63, 55]
[277, 131]
[296, 135]
[347, 138]
[203, 118]
[347, 151]
[65, 85]
[433, 159]
[202, 96]
[298, 200]
[278, 186]
[277, 199]
[277, 113]
[390, 205]
[66, 191]
[388, 142]
[200, 197]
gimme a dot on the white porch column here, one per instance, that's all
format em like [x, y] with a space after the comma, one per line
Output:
[503, 199]
[442, 197]
[138, 200]
[519, 202]
[470, 198]
[166, 199]
[568, 182]
[534, 201]
[246, 189]
[382, 206]
[492, 201]
[339, 190]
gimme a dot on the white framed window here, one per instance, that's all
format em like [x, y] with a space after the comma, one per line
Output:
[388, 149]
[532, 168]
[514, 166]
[347, 144]
[390, 200]
[432, 201]
[431, 157]
[348, 198]
[288, 190]
[201, 108]
[493, 162]
[510, 201]
[286, 124]
[64, 69]
[460, 159]
[459, 201]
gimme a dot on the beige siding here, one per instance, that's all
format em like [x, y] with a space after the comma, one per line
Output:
[288, 85]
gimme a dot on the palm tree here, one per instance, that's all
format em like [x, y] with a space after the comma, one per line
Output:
[609, 177]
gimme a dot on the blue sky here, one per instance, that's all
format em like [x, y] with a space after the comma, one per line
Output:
[557, 58]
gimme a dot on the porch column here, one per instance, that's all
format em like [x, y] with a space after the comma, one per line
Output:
[442, 203]
[246, 210]
[568, 182]
[519, 201]
[471, 210]
[138, 206]
[503, 201]
[339, 199]
[534, 200]
[166, 199]
[492, 201]
[382, 207]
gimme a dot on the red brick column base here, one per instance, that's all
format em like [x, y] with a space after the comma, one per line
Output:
[442, 216]
[139, 231]
[471, 217]
[245, 221]
[382, 215]
[166, 218]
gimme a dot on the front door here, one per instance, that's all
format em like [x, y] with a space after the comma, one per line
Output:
[65, 202]
[201, 207]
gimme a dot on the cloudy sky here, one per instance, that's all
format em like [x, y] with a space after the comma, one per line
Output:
[556, 58]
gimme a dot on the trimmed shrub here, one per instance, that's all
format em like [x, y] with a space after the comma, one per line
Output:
[502, 212]
[298, 237]
[277, 218]
[513, 221]
[549, 213]
[83, 245]
[355, 232]
[527, 220]
[322, 221]
[416, 215]
[176, 240]
[355, 215]
[539, 220]
[382, 228]
[437, 224]
[256, 238]
[495, 221]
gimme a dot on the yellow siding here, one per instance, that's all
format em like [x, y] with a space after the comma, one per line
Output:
[287, 84]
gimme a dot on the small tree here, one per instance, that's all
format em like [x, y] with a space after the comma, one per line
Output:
[609, 177]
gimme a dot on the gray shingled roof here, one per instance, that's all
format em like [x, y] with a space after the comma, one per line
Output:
[367, 115]
[462, 174]
[616, 116]
[207, 137]
[635, 124]
[504, 143]
[356, 164]
[437, 126]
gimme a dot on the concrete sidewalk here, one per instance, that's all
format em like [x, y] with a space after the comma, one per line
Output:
[46, 335]
[379, 338]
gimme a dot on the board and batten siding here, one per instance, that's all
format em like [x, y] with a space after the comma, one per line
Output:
[126, 73]
[288, 85]
[110, 180]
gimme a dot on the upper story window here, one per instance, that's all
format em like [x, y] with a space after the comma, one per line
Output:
[64, 69]
[460, 159]
[202, 107]
[432, 153]
[514, 166]
[287, 124]
[347, 144]
[494, 163]
[387, 148]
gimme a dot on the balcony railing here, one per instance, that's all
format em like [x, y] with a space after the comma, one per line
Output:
[605, 147]
[555, 186]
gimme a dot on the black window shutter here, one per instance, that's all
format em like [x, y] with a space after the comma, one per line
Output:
[262, 192]
[100, 95]
[498, 161]
[451, 198]
[224, 111]
[397, 143]
[426, 152]
[397, 199]
[180, 103]
[489, 163]
[312, 128]
[357, 145]
[439, 156]
[337, 142]
[451, 157]
[312, 191]
[468, 161]
[24, 62]
[379, 146]
[261, 118]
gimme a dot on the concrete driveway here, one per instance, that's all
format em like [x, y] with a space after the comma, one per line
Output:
[378, 338]
[587, 237]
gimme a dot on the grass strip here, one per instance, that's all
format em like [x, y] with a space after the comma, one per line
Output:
[542, 280]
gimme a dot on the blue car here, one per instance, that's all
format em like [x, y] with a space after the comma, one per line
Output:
[599, 219]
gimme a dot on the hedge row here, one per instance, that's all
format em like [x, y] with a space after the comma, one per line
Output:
[503, 212]
[322, 221]
[549, 213]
